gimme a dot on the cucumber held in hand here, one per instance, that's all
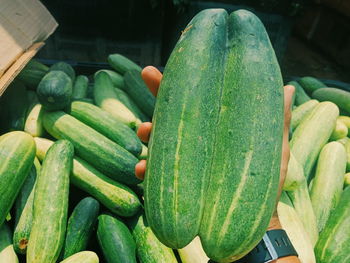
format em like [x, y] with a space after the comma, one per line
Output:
[17, 152]
[201, 130]
[80, 226]
[98, 150]
[51, 204]
[55, 91]
[115, 239]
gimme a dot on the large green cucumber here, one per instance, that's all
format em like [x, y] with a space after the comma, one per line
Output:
[149, 249]
[24, 210]
[296, 231]
[300, 96]
[312, 134]
[80, 87]
[80, 226]
[98, 150]
[245, 167]
[106, 98]
[82, 257]
[17, 152]
[106, 124]
[300, 112]
[183, 115]
[122, 64]
[334, 241]
[328, 183]
[242, 158]
[51, 204]
[7, 253]
[115, 239]
[138, 91]
[118, 198]
[310, 84]
[32, 73]
[337, 96]
[128, 102]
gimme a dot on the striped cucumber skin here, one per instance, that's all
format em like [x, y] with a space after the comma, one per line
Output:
[245, 167]
[334, 241]
[300, 96]
[299, 113]
[290, 222]
[312, 134]
[106, 98]
[98, 150]
[80, 87]
[337, 96]
[148, 248]
[138, 92]
[117, 79]
[7, 253]
[82, 257]
[24, 210]
[80, 226]
[115, 239]
[310, 84]
[185, 114]
[128, 102]
[107, 125]
[118, 198]
[328, 183]
[122, 64]
[17, 152]
[51, 204]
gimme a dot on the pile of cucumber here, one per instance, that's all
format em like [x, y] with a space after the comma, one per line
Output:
[314, 208]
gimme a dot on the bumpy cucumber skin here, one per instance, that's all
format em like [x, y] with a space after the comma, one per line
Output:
[115, 239]
[51, 204]
[17, 152]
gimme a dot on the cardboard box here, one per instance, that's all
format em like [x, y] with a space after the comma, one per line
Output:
[24, 26]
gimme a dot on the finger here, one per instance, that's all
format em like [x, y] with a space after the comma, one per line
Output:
[144, 131]
[140, 169]
[288, 95]
[152, 77]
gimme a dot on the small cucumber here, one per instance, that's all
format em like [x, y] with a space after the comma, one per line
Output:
[80, 87]
[340, 131]
[122, 64]
[33, 124]
[310, 84]
[340, 97]
[117, 79]
[346, 179]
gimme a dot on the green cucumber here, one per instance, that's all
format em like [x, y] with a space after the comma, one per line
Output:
[347, 149]
[300, 96]
[334, 241]
[51, 204]
[337, 96]
[17, 152]
[106, 98]
[328, 182]
[117, 79]
[138, 92]
[33, 123]
[55, 91]
[300, 112]
[295, 175]
[128, 102]
[82, 257]
[32, 73]
[144, 153]
[64, 67]
[7, 253]
[310, 84]
[340, 131]
[194, 104]
[80, 226]
[345, 120]
[24, 210]
[115, 239]
[296, 231]
[107, 125]
[193, 252]
[346, 179]
[312, 134]
[14, 105]
[122, 64]
[118, 198]
[80, 87]
[149, 249]
[98, 150]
